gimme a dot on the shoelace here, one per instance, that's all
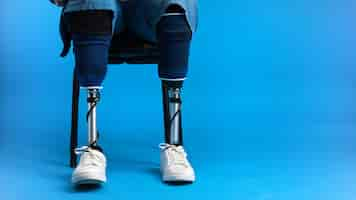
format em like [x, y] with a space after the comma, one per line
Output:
[81, 150]
[87, 159]
[177, 155]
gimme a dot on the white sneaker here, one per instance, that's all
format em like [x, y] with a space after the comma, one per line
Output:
[91, 168]
[175, 166]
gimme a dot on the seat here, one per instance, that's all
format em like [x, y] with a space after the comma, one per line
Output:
[126, 47]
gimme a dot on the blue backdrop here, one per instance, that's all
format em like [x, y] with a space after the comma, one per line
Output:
[269, 106]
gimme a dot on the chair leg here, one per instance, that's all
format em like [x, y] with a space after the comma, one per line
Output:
[74, 125]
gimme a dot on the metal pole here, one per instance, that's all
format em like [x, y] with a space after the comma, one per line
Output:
[93, 98]
[174, 112]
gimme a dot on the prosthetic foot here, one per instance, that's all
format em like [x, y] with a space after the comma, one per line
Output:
[175, 166]
[92, 165]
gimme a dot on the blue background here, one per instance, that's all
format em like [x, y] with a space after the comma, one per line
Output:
[269, 108]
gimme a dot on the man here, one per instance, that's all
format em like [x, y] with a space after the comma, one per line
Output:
[89, 24]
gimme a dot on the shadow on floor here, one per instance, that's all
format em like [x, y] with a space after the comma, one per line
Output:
[155, 172]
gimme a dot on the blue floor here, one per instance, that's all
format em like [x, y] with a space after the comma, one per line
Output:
[269, 108]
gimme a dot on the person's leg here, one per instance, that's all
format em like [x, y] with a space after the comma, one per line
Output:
[174, 36]
[170, 24]
[91, 33]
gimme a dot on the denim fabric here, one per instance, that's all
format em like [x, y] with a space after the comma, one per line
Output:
[77, 5]
[142, 15]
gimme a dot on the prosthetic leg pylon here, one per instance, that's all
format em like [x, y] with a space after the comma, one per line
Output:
[93, 99]
[172, 111]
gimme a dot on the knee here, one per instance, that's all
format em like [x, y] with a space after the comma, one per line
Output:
[174, 36]
[174, 27]
[173, 30]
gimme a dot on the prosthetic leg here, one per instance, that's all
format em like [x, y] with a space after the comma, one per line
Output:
[93, 133]
[174, 36]
[172, 113]
[91, 35]
[175, 167]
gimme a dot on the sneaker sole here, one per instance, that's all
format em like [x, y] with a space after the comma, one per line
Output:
[88, 178]
[179, 179]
